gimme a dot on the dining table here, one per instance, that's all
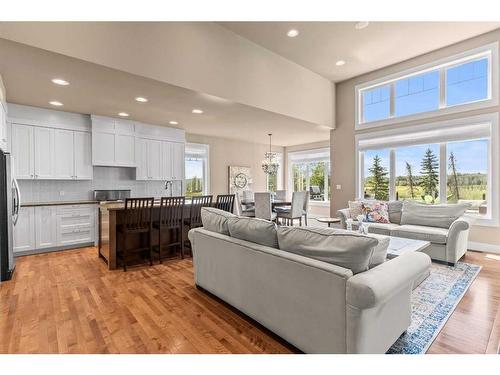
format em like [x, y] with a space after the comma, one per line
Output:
[274, 203]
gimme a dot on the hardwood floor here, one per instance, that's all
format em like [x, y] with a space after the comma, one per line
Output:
[69, 302]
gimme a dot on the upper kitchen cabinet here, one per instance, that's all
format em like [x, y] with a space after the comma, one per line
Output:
[113, 142]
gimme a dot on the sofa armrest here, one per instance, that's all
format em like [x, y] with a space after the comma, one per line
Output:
[371, 288]
[343, 215]
[458, 235]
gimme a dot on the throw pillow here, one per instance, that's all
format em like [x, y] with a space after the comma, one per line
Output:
[340, 247]
[355, 209]
[259, 231]
[376, 212]
[215, 220]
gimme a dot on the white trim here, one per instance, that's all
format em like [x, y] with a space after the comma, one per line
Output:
[489, 50]
[483, 247]
[476, 125]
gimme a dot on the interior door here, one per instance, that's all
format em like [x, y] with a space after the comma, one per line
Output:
[22, 151]
[64, 154]
[83, 155]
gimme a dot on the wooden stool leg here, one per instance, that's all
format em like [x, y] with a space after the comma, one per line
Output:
[159, 243]
[182, 241]
[150, 236]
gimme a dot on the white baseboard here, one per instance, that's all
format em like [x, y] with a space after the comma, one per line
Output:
[484, 247]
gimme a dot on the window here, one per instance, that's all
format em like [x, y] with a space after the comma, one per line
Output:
[444, 162]
[458, 83]
[310, 171]
[275, 182]
[417, 173]
[196, 165]
[467, 178]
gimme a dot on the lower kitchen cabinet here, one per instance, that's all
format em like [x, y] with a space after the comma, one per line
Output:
[24, 230]
[54, 227]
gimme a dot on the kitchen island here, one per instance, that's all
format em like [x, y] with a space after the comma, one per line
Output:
[110, 217]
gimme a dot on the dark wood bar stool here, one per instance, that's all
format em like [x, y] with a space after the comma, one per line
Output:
[225, 202]
[137, 221]
[194, 220]
[171, 223]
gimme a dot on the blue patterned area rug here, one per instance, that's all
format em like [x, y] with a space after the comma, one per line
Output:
[433, 301]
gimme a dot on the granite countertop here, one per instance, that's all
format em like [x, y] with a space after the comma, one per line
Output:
[57, 203]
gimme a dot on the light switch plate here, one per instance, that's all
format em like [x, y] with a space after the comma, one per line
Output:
[61, 193]
[338, 187]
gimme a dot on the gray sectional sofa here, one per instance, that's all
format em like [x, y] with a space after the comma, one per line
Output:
[444, 226]
[323, 290]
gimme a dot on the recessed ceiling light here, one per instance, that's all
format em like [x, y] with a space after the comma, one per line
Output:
[292, 33]
[173, 123]
[361, 25]
[340, 63]
[141, 99]
[197, 111]
[55, 103]
[60, 82]
[123, 114]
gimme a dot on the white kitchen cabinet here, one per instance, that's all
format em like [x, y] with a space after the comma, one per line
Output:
[22, 151]
[83, 169]
[64, 153]
[24, 230]
[75, 224]
[177, 161]
[44, 152]
[3, 127]
[141, 149]
[166, 160]
[113, 142]
[154, 160]
[45, 227]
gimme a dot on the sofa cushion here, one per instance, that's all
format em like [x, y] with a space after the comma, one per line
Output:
[379, 255]
[381, 228]
[335, 246]
[215, 220]
[262, 232]
[395, 210]
[355, 208]
[420, 232]
[432, 215]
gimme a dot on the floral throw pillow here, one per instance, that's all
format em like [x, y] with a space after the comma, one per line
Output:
[376, 212]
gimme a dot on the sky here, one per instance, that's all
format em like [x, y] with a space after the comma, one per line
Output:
[471, 157]
[194, 168]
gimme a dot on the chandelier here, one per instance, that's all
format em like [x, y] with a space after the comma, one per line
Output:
[270, 163]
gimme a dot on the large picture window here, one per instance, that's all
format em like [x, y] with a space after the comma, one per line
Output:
[196, 167]
[447, 162]
[275, 182]
[310, 171]
[458, 83]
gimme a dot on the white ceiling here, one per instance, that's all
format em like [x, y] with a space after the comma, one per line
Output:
[94, 89]
[320, 44]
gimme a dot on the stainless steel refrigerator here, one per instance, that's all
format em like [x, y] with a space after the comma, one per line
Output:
[10, 201]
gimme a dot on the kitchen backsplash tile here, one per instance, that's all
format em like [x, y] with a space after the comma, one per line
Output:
[104, 178]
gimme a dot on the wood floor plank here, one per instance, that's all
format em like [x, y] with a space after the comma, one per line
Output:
[69, 302]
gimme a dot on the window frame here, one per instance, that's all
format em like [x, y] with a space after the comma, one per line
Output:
[388, 139]
[305, 159]
[490, 51]
[206, 164]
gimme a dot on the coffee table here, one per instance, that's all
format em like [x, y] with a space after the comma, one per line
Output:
[399, 245]
[328, 220]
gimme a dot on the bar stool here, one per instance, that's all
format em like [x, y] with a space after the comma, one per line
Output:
[136, 221]
[171, 220]
[194, 220]
[225, 202]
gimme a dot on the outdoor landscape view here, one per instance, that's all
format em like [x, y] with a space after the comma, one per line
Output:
[418, 173]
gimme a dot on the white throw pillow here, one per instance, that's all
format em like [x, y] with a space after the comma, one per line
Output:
[215, 220]
[259, 231]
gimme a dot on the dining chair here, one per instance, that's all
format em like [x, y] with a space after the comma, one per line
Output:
[280, 195]
[171, 224]
[295, 211]
[263, 207]
[241, 210]
[136, 221]
[194, 219]
[225, 202]
[306, 207]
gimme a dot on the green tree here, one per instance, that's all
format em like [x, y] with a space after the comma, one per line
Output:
[410, 180]
[430, 174]
[379, 183]
[452, 166]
